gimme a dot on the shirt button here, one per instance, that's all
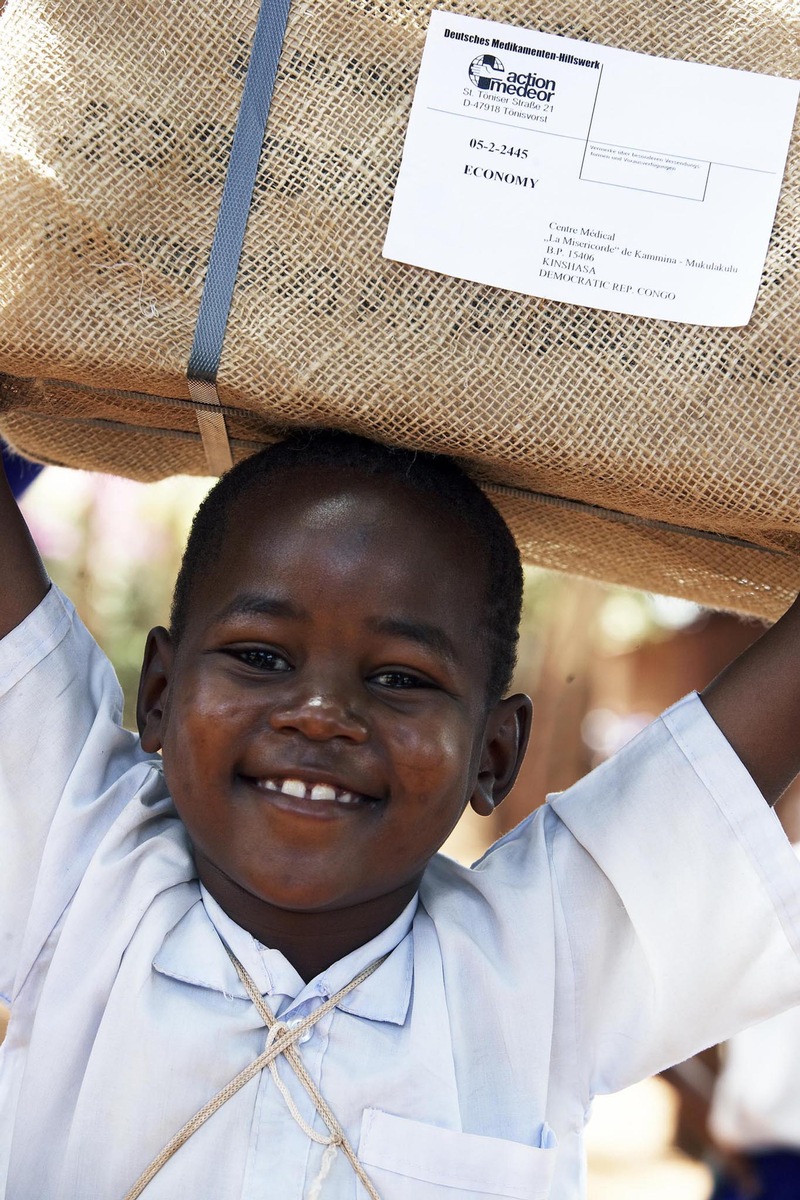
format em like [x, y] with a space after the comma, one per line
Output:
[305, 1035]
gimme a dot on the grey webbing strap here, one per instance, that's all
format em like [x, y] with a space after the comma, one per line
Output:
[226, 247]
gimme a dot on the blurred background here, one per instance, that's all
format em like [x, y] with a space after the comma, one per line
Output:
[599, 663]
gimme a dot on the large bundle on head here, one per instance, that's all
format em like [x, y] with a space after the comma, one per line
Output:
[627, 449]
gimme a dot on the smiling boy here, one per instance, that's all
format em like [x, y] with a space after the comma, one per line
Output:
[328, 699]
[311, 660]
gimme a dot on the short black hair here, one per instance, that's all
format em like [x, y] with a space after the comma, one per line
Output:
[428, 474]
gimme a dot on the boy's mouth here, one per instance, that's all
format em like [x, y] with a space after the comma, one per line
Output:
[300, 789]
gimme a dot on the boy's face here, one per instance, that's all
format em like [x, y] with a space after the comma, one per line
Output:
[323, 718]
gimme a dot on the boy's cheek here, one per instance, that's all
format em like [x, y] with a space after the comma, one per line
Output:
[436, 763]
[204, 714]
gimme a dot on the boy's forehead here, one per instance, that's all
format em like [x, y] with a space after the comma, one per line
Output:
[303, 501]
[350, 522]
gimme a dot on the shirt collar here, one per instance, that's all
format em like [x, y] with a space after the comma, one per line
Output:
[192, 952]
[385, 995]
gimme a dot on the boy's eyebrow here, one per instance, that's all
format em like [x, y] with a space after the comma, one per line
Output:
[260, 604]
[431, 637]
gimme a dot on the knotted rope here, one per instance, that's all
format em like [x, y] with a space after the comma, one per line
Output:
[280, 1040]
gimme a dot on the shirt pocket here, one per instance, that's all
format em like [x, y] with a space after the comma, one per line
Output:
[408, 1160]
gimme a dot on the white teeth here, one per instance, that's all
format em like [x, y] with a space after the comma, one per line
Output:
[293, 787]
[307, 791]
[324, 791]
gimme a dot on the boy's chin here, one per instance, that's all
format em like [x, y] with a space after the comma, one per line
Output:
[307, 894]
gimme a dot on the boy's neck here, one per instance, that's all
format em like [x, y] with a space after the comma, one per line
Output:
[310, 941]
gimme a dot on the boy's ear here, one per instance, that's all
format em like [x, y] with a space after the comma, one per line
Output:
[507, 731]
[159, 653]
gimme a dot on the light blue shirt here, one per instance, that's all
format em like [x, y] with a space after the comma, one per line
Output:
[649, 911]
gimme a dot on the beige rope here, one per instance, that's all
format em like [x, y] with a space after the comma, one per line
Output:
[281, 1040]
[298, 1066]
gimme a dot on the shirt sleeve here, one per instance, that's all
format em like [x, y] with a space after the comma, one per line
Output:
[680, 897]
[61, 753]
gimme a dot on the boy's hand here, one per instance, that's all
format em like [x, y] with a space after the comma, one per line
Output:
[23, 579]
[756, 703]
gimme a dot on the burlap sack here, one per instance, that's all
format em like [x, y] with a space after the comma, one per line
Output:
[626, 449]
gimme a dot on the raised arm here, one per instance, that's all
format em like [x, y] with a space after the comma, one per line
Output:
[23, 580]
[756, 703]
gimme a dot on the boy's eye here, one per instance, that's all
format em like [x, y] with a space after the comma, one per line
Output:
[401, 680]
[260, 658]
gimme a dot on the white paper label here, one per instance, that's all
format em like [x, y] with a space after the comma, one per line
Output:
[591, 175]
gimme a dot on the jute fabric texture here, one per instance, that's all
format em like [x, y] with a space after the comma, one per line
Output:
[619, 448]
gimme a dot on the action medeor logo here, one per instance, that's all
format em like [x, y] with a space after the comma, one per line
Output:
[485, 68]
[488, 73]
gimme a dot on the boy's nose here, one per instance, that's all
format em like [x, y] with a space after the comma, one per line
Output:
[319, 717]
